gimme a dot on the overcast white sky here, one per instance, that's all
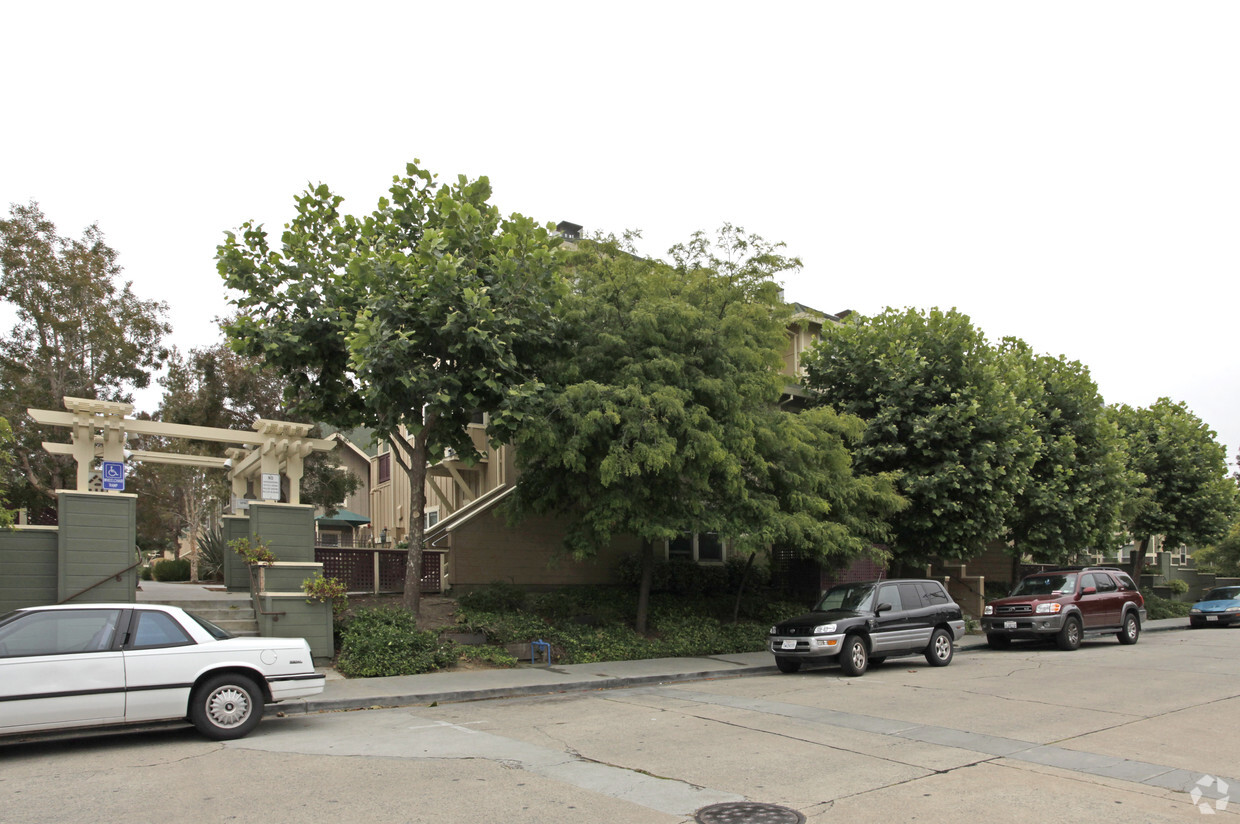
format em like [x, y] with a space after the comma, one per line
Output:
[1064, 172]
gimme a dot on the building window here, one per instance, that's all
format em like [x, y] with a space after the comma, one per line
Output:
[704, 547]
[681, 547]
[709, 547]
[432, 518]
[385, 468]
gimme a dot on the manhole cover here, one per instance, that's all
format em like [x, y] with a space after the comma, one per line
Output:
[748, 812]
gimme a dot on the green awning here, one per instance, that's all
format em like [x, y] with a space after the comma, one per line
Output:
[343, 517]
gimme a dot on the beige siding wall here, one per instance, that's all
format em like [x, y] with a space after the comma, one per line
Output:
[995, 564]
[445, 491]
[359, 467]
[486, 549]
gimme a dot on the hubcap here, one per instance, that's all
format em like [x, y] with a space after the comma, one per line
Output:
[941, 647]
[858, 655]
[228, 707]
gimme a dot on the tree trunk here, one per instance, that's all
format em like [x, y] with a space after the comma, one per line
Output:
[643, 592]
[740, 590]
[1137, 562]
[416, 472]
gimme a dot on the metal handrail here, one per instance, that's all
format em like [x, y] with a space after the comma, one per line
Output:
[104, 580]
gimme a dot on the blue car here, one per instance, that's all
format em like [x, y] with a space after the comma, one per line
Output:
[1220, 605]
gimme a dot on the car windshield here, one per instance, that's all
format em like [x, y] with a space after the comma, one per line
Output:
[1058, 584]
[216, 632]
[1223, 594]
[846, 596]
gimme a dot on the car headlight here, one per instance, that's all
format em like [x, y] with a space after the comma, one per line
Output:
[1194, 611]
[1044, 609]
[824, 629]
[989, 610]
[1232, 609]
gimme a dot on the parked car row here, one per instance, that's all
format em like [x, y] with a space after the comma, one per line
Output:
[860, 624]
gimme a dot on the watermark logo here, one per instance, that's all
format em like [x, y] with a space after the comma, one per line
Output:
[1216, 788]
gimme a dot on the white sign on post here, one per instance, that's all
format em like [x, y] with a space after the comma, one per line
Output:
[271, 486]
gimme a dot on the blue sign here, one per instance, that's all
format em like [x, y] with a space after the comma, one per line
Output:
[114, 476]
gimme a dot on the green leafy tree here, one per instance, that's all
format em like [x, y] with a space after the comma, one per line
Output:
[80, 331]
[6, 464]
[1225, 554]
[941, 413]
[659, 415]
[1078, 482]
[1183, 493]
[408, 321]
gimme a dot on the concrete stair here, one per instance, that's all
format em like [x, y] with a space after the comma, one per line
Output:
[235, 615]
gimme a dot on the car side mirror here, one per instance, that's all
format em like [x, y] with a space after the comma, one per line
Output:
[1089, 591]
[883, 608]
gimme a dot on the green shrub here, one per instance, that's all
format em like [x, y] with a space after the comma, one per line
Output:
[1157, 608]
[1177, 586]
[508, 627]
[495, 656]
[684, 577]
[145, 573]
[177, 570]
[386, 641]
[498, 596]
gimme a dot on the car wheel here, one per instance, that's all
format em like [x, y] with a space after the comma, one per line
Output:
[854, 658]
[939, 653]
[1069, 637]
[998, 641]
[788, 664]
[1131, 631]
[226, 706]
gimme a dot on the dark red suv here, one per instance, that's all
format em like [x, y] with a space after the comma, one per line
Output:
[1064, 604]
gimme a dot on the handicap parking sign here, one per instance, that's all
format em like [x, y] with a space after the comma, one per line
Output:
[114, 476]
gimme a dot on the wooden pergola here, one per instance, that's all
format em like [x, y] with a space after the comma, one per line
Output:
[99, 429]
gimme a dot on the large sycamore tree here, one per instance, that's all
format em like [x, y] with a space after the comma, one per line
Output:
[1182, 490]
[659, 414]
[80, 331]
[1077, 486]
[941, 411]
[409, 320]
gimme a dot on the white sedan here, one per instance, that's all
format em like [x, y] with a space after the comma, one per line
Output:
[101, 664]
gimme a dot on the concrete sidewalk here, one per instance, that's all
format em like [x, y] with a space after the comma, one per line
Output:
[475, 685]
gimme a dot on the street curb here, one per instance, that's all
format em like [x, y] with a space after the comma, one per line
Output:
[309, 705]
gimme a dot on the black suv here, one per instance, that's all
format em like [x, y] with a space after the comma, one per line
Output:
[1064, 604]
[863, 623]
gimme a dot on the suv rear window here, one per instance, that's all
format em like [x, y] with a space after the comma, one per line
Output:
[1060, 584]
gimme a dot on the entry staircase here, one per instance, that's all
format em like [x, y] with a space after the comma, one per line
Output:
[235, 614]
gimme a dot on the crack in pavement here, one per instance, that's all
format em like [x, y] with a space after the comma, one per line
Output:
[1103, 766]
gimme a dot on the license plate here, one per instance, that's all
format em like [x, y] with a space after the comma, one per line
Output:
[1211, 617]
[789, 645]
[1009, 625]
